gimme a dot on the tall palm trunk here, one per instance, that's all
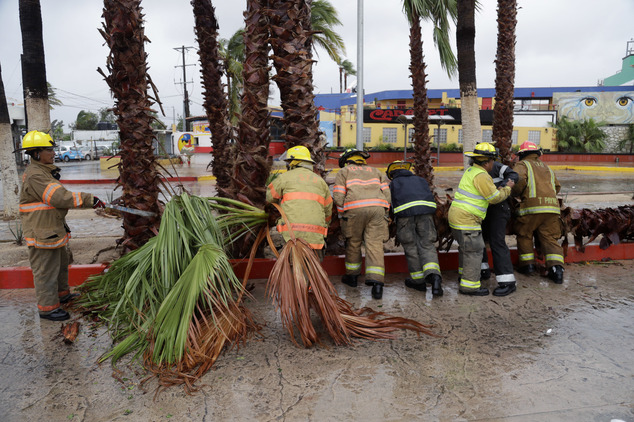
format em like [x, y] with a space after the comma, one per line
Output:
[422, 156]
[128, 80]
[252, 163]
[465, 40]
[505, 79]
[292, 47]
[215, 98]
[340, 79]
[8, 168]
[34, 67]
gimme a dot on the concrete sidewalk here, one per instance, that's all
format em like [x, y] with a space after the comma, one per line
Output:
[545, 353]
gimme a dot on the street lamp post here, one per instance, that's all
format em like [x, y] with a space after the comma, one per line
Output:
[405, 119]
[439, 120]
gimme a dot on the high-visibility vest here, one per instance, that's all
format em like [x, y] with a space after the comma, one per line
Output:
[468, 197]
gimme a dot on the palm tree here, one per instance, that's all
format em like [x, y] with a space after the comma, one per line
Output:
[439, 13]
[291, 39]
[323, 18]
[252, 163]
[345, 68]
[215, 98]
[10, 180]
[505, 79]
[128, 80]
[465, 41]
[34, 67]
[579, 136]
[232, 54]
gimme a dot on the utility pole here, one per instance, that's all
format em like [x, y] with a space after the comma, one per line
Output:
[185, 96]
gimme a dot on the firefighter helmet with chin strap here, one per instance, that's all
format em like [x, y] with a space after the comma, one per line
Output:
[349, 155]
[528, 147]
[397, 165]
[483, 150]
[35, 139]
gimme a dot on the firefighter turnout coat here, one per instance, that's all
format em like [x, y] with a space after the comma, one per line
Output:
[469, 207]
[538, 211]
[44, 203]
[306, 200]
[362, 196]
[414, 206]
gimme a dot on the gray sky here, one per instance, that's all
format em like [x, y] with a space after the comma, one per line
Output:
[559, 43]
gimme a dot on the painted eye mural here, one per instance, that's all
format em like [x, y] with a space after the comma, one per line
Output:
[608, 107]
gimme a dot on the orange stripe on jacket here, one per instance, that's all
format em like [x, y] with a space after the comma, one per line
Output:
[49, 191]
[366, 203]
[35, 206]
[307, 196]
[310, 228]
[368, 182]
[53, 245]
[77, 199]
[274, 193]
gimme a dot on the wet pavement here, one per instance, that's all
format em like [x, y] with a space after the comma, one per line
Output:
[545, 353]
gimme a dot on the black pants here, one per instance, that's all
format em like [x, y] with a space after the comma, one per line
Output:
[494, 232]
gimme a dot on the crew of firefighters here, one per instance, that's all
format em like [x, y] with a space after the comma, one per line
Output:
[366, 201]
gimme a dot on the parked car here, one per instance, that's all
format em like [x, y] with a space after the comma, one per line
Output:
[64, 153]
[90, 153]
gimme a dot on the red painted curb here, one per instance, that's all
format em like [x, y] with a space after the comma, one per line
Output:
[22, 278]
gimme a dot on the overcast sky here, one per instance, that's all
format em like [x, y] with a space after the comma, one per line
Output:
[559, 43]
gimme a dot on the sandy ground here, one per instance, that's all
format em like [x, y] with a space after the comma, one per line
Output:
[545, 353]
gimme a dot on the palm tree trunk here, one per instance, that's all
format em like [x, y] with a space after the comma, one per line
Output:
[505, 79]
[128, 80]
[422, 150]
[465, 40]
[340, 79]
[291, 41]
[34, 67]
[215, 104]
[252, 161]
[8, 167]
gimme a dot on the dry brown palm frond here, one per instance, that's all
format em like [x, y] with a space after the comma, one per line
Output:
[298, 283]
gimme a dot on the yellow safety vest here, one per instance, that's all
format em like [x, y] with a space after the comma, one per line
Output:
[468, 197]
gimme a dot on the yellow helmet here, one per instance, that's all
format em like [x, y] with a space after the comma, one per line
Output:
[298, 152]
[353, 155]
[397, 165]
[35, 139]
[483, 150]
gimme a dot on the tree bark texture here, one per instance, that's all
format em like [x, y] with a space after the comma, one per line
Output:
[129, 81]
[8, 167]
[252, 161]
[215, 104]
[291, 39]
[465, 41]
[34, 67]
[422, 150]
[505, 79]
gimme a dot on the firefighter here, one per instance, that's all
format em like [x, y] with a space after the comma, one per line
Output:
[44, 203]
[414, 206]
[538, 213]
[305, 199]
[494, 233]
[362, 197]
[469, 207]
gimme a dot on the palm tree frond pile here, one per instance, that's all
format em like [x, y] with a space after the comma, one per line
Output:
[176, 300]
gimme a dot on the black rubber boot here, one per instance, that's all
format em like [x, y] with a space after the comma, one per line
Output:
[436, 284]
[416, 286]
[556, 274]
[370, 282]
[485, 274]
[67, 298]
[482, 291]
[57, 315]
[527, 269]
[504, 289]
[350, 280]
[377, 290]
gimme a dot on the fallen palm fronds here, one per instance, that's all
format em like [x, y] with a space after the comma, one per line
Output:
[298, 284]
[175, 301]
[613, 224]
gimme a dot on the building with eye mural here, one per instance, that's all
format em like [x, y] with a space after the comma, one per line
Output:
[537, 109]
